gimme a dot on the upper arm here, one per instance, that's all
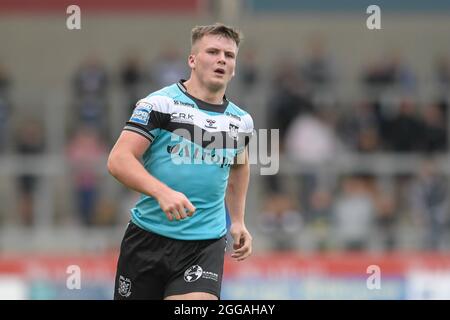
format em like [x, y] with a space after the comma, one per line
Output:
[131, 142]
[241, 159]
[149, 116]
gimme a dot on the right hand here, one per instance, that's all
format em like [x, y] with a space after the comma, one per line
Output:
[175, 204]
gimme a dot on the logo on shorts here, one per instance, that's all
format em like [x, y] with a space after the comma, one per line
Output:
[193, 273]
[124, 287]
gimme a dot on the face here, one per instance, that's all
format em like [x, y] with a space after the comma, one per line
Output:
[213, 60]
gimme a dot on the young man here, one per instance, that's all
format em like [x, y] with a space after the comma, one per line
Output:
[193, 144]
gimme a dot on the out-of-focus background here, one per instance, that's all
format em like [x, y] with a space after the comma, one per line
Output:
[360, 206]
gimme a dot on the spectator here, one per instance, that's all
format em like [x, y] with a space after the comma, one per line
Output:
[390, 71]
[289, 98]
[320, 216]
[442, 71]
[90, 86]
[360, 129]
[435, 129]
[91, 79]
[281, 222]
[5, 106]
[169, 67]
[317, 68]
[132, 78]
[311, 141]
[86, 151]
[386, 208]
[249, 73]
[353, 215]
[429, 202]
[29, 142]
[405, 129]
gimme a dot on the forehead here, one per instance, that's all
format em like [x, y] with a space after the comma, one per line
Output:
[216, 41]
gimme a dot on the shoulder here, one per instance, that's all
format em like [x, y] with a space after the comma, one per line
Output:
[244, 117]
[160, 100]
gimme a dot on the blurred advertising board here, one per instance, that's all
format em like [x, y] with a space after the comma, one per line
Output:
[289, 276]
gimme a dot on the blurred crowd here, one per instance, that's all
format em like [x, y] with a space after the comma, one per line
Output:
[359, 210]
[351, 211]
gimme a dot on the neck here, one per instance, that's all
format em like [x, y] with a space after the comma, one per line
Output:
[195, 88]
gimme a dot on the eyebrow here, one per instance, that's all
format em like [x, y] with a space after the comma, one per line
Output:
[215, 48]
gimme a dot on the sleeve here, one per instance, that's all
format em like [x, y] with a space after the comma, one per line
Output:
[148, 118]
[247, 132]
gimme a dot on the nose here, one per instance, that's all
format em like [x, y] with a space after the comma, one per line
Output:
[222, 58]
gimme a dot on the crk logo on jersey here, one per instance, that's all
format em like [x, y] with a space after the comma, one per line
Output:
[182, 117]
[124, 287]
[193, 273]
[210, 124]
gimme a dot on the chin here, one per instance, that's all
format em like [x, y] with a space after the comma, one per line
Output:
[216, 85]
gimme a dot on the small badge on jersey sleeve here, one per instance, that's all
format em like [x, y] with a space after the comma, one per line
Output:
[141, 113]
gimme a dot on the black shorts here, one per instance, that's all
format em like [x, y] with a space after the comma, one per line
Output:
[152, 266]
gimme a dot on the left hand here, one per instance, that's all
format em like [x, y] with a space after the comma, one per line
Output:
[242, 242]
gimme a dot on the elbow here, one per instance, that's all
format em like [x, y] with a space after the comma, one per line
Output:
[111, 164]
[231, 187]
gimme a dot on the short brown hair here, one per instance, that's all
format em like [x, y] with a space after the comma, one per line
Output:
[199, 32]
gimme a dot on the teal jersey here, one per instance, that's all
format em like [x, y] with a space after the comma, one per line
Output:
[193, 145]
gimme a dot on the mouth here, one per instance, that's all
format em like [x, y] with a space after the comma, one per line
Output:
[219, 71]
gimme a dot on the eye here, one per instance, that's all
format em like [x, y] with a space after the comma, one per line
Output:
[230, 54]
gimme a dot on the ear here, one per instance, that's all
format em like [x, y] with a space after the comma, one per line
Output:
[191, 61]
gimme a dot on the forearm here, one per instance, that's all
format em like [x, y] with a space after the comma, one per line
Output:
[127, 169]
[237, 192]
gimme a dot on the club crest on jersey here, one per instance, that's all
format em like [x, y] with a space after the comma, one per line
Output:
[233, 131]
[141, 113]
[124, 287]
